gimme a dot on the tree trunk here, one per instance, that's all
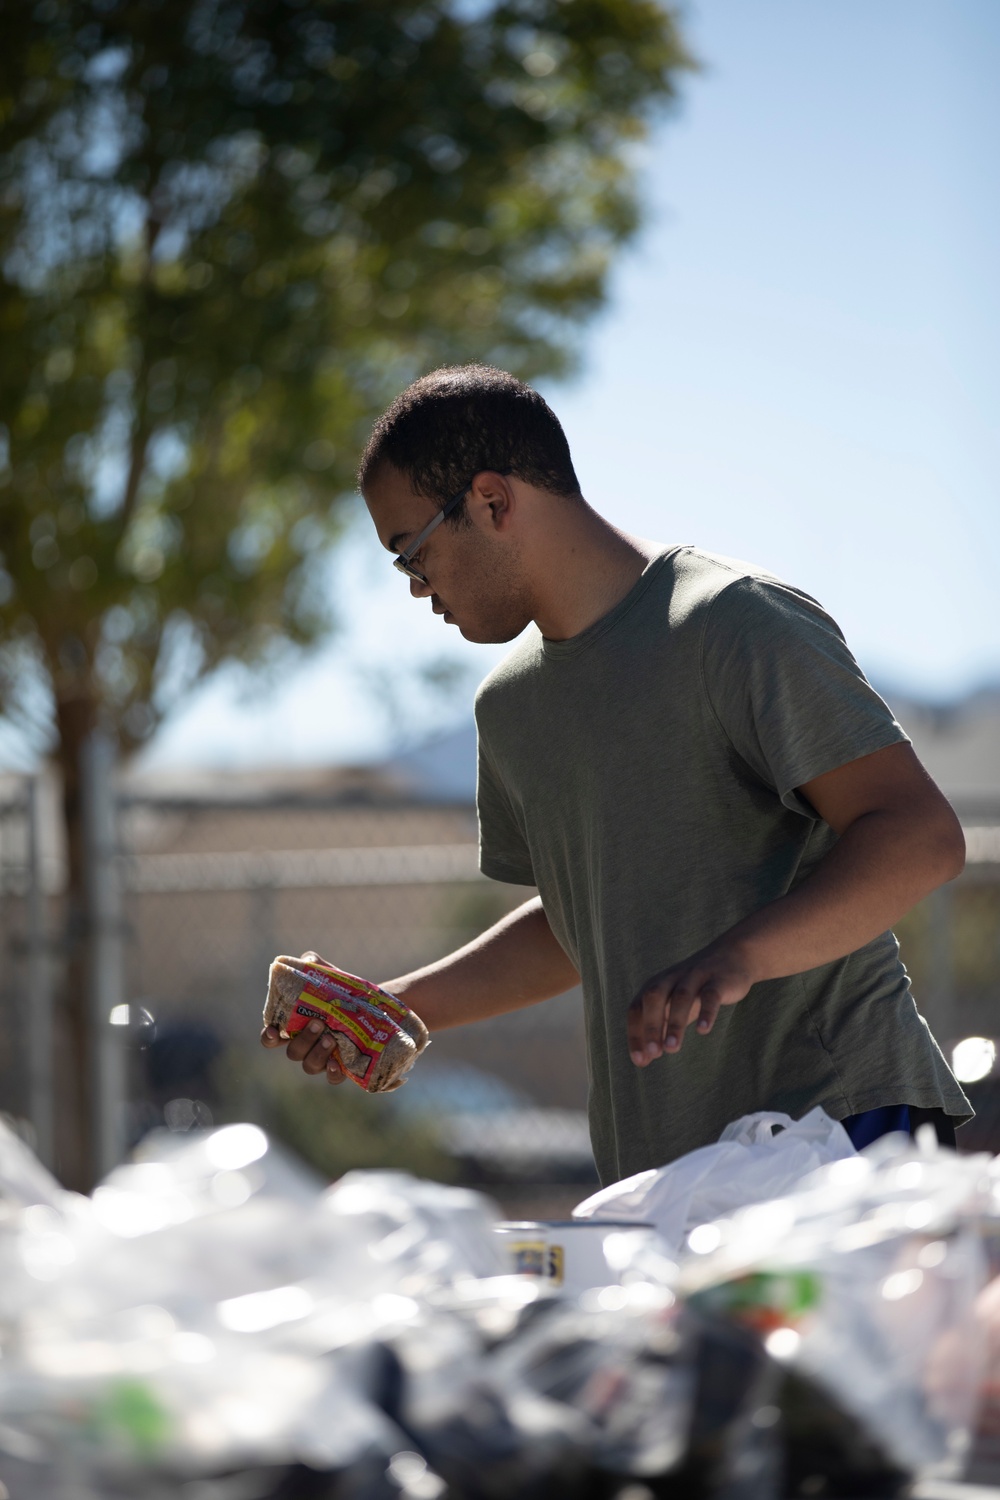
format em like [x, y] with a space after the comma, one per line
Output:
[75, 1147]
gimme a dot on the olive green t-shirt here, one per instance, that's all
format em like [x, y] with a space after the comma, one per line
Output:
[643, 776]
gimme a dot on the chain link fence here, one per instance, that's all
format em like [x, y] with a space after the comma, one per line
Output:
[212, 889]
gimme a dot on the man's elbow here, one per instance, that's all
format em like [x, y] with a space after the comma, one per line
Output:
[949, 847]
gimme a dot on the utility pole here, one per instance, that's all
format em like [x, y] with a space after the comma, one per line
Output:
[105, 953]
[41, 1097]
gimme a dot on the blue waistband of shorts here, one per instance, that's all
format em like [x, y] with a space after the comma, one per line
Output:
[873, 1123]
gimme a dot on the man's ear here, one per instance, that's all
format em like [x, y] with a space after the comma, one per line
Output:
[492, 501]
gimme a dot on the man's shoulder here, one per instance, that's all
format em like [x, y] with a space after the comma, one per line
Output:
[709, 574]
[735, 592]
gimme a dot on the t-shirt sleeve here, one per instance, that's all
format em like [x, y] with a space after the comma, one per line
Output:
[503, 848]
[786, 690]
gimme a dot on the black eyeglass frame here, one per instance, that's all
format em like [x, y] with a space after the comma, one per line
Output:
[402, 562]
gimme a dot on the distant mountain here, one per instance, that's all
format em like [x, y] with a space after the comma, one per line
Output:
[443, 769]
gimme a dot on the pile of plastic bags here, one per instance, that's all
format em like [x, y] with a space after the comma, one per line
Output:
[211, 1314]
[211, 1323]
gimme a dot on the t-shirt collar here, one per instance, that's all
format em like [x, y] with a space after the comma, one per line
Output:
[555, 650]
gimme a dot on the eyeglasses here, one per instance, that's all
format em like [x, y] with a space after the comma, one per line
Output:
[403, 561]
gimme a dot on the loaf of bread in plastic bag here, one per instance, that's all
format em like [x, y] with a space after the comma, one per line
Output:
[377, 1038]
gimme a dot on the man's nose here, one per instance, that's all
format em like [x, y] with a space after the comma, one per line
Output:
[419, 590]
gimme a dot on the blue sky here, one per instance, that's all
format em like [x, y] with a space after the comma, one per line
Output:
[798, 366]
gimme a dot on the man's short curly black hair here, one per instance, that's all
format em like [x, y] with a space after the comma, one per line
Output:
[459, 420]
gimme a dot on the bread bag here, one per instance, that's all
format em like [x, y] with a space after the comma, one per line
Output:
[377, 1037]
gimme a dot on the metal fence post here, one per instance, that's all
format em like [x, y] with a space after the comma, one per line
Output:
[41, 1099]
[261, 949]
[105, 952]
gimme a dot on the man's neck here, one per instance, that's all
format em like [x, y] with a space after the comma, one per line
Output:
[584, 567]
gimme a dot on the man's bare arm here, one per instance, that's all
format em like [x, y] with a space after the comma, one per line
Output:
[515, 963]
[899, 840]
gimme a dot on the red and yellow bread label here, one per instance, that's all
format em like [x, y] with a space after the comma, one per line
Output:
[350, 1006]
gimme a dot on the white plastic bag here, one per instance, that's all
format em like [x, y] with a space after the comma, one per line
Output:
[23, 1179]
[758, 1157]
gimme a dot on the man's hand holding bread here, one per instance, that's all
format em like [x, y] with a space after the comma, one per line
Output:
[334, 1023]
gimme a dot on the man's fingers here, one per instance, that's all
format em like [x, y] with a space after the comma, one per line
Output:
[711, 1002]
[314, 1047]
[661, 1013]
[634, 1025]
[304, 1040]
[695, 999]
[652, 1022]
[318, 1056]
[669, 1002]
[679, 1007]
[645, 1026]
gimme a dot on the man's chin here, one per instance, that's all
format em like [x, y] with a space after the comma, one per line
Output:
[488, 635]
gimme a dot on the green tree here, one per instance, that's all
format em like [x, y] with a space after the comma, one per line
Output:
[229, 231]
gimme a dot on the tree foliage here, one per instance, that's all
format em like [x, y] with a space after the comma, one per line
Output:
[229, 229]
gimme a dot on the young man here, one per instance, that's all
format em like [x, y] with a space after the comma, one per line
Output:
[722, 818]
